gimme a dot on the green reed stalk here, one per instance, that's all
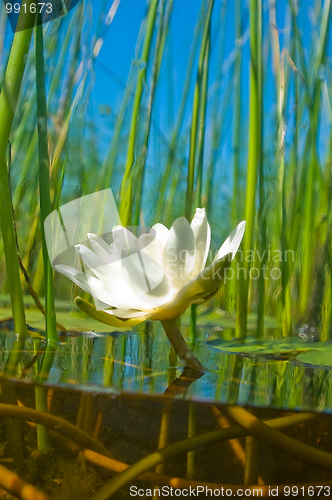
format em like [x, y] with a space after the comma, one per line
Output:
[45, 210]
[56, 77]
[255, 128]
[23, 132]
[261, 219]
[195, 115]
[157, 58]
[44, 183]
[202, 121]
[309, 204]
[27, 168]
[28, 165]
[291, 206]
[69, 78]
[304, 208]
[164, 34]
[326, 313]
[107, 168]
[197, 136]
[3, 21]
[29, 172]
[8, 101]
[300, 178]
[287, 66]
[167, 175]
[279, 216]
[237, 116]
[200, 150]
[236, 215]
[126, 196]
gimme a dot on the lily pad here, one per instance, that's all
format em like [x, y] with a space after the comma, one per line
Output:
[289, 346]
[70, 320]
[316, 358]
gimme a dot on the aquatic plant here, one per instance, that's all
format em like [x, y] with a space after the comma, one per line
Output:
[156, 276]
[280, 181]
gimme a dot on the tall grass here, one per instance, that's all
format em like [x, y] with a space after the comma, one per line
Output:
[126, 195]
[273, 169]
[198, 117]
[8, 101]
[254, 148]
[45, 210]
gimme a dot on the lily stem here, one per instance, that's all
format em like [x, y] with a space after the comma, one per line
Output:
[172, 330]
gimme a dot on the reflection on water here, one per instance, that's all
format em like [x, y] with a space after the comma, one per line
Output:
[142, 362]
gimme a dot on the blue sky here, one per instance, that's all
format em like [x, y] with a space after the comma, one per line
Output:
[118, 52]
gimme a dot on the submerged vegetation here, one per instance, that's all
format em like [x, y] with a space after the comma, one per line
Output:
[245, 132]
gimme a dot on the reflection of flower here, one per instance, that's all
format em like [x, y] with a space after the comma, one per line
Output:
[156, 276]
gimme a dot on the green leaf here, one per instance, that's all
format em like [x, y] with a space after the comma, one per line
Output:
[316, 358]
[253, 347]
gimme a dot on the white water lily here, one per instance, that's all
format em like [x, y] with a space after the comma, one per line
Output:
[156, 276]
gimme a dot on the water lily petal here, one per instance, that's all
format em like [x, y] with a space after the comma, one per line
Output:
[161, 233]
[100, 247]
[111, 276]
[231, 245]
[152, 276]
[125, 278]
[145, 240]
[202, 234]
[89, 284]
[198, 290]
[179, 253]
[151, 253]
[134, 273]
[125, 241]
[149, 245]
[146, 280]
[79, 278]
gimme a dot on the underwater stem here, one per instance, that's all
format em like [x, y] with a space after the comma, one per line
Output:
[14, 485]
[292, 447]
[176, 339]
[59, 424]
[160, 456]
